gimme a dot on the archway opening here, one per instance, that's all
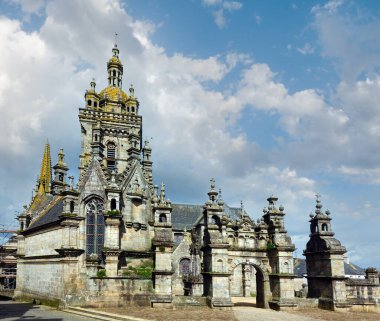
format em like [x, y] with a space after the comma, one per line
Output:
[247, 280]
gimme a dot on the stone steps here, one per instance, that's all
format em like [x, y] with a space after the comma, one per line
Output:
[100, 315]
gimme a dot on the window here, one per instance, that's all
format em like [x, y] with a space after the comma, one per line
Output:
[113, 204]
[114, 73]
[94, 226]
[89, 102]
[95, 104]
[60, 177]
[111, 153]
[162, 218]
[184, 266]
[324, 227]
[133, 109]
[72, 206]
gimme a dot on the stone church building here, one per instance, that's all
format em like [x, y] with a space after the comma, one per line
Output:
[114, 238]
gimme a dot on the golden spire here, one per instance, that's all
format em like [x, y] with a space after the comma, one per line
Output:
[45, 173]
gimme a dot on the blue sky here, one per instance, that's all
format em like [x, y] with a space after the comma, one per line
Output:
[268, 97]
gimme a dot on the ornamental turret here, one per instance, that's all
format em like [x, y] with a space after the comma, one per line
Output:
[325, 262]
[60, 173]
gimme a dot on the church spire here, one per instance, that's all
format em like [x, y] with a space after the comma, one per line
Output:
[45, 172]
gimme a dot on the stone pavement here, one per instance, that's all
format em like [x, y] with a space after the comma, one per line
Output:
[12, 311]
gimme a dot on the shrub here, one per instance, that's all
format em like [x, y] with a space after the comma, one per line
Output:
[101, 273]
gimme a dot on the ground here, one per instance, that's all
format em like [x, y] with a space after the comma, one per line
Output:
[244, 310]
[15, 311]
[12, 311]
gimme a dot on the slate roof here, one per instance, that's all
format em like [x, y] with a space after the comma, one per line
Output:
[349, 269]
[187, 215]
[50, 215]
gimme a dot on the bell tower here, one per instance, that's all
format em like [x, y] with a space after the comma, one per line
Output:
[110, 124]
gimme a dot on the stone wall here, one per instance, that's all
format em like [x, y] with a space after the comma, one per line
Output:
[113, 292]
[43, 243]
[40, 279]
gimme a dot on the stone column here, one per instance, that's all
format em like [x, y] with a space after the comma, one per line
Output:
[163, 249]
[246, 269]
[111, 249]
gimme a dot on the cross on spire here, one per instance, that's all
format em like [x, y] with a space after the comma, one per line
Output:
[116, 39]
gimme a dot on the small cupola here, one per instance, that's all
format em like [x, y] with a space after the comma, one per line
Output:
[115, 69]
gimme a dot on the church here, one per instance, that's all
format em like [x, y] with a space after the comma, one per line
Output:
[115, 239]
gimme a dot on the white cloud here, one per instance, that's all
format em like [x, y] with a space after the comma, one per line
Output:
[232, 5]
[258, 19]
[220, 7]
[307, 49]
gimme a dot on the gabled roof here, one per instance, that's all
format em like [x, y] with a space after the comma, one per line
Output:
[49, 215]
[185, 216]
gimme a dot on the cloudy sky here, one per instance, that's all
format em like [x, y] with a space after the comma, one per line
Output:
[277, 97]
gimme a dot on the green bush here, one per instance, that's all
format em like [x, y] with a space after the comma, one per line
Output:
[113, 212]
[271, 246]
[142, 271]
[101, 273]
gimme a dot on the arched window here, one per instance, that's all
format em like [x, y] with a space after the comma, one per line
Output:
[324, 227]
[114, 73]
[95, 104]
[89, 102]
[162, 218]
[184, 266]
[111, 154]
[94, 226]
[113, 204]
[72, 206]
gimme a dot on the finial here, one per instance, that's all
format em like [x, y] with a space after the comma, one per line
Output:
[93, 84]
[212, 193]
[311, 215]
[162, 195]
[116, 39]
[131, 90]
[115, 50]
[212, 183]
[220, 199]
[242, 208]
[61, 156]
[319, 204]
[71, 186]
